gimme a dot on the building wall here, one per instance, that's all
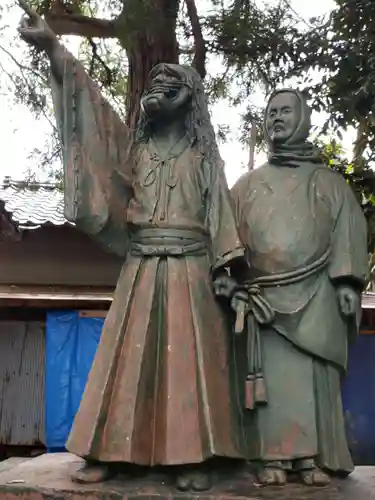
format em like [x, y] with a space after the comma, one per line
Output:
[57, 255]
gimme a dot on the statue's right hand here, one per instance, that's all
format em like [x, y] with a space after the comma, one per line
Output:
[34, 30]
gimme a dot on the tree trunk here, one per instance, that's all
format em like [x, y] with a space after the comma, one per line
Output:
[147, 30]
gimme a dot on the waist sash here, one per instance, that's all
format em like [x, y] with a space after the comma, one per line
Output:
[164, 242]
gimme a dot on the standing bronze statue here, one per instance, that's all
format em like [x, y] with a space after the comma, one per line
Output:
[306, 245]
[158, 392]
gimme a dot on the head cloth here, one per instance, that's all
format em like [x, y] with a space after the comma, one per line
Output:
[296, 148]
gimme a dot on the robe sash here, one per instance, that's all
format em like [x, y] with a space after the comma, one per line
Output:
[160, 242]
[257, 312]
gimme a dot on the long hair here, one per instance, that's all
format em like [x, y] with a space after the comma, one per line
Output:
[198, 124]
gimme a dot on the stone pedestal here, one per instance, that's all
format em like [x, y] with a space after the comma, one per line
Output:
[47, 478]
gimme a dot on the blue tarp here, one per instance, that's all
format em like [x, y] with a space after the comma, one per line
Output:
[358, 393]
[71, 343]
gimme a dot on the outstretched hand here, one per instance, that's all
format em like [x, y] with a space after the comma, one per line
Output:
[34, 30]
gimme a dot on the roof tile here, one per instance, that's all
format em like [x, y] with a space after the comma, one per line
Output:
[35, 205]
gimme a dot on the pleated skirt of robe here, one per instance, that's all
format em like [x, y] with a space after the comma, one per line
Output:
[303, 418]
[158, 392]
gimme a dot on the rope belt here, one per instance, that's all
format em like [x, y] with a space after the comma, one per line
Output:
[259, 312]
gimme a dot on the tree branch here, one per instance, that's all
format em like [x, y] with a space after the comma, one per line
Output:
[22, 66]
[79, 25]
[200, 45]
[360, 143]
[186, 50]
[96, 58]
[26, 80]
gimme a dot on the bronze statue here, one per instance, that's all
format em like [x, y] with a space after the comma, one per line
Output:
[158, 392]
[306, 246]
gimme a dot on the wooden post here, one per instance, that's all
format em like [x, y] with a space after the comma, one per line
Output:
[253, 139]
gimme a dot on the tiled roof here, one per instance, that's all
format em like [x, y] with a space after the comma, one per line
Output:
[31, 205]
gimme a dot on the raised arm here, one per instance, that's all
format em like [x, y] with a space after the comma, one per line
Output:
[95, 142]
[35, 31]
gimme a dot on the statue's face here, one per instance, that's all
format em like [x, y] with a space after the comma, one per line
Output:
[283, 114]
[166, 95]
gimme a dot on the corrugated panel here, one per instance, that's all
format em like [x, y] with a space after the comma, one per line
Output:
[33, 207]
[22, 376]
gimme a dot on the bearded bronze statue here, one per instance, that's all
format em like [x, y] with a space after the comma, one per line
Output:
[306, 246]
[159, 391]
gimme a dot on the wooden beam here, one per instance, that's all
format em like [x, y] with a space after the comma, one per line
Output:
[93, 313]
[56, 293]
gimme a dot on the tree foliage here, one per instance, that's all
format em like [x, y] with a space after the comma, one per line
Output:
[256, 46]
[259, 45]
[122, 39]
[361, 179]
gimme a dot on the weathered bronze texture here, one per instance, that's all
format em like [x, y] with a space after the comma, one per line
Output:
[306, 245]
[159, 391]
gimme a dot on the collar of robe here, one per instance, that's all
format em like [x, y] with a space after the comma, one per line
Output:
[297, 149]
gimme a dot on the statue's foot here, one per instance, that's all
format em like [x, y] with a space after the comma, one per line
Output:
[201, 481]
[193, 480]
[93, 473]
[272, 476]
[315, 477]
[183, 481]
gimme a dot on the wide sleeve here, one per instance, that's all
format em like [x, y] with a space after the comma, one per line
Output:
[95, 145]
[226, 247]
[240, 269]
[349, 258]
[236, 199]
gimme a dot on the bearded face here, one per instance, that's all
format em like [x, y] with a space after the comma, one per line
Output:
[166, 95]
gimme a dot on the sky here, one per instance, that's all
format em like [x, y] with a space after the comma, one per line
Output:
[21, 132]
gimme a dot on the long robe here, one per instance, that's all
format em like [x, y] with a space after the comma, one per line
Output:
[159, 390]
[288, 218]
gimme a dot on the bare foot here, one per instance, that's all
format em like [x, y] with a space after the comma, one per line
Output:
[272, 476]
[315, 477]
[92, 473]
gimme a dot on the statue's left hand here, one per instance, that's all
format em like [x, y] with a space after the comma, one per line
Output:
[349, 300]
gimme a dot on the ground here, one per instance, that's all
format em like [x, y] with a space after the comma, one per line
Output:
[47, 478]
